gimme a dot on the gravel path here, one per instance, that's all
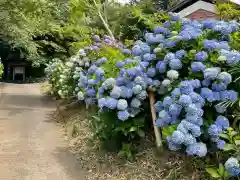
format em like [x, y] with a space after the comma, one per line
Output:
[32, 147]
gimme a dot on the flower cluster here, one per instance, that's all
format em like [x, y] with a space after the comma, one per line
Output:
[221, 124]
[185, 62]
[184, 100]
[232, 166]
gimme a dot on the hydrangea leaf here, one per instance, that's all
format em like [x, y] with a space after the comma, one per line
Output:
[237, 142]
[221, 169]
[213, 172]
[228, 147]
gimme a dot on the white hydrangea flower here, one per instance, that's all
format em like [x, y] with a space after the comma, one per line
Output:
[166, 83]
[172, 74]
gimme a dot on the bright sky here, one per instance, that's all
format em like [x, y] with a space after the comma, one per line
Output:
[236, 1]
[123, 1]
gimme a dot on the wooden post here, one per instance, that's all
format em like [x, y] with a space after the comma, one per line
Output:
[157, 132]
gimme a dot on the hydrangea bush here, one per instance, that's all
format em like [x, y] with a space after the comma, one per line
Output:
[186, 64]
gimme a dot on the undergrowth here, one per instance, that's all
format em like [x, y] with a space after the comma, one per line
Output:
[147, 164]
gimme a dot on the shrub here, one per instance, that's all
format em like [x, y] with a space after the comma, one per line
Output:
[186, 64]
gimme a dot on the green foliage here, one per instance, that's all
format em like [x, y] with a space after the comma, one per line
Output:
[233, 141]
[1, 70]
[228, 11]
[218, 172]
[115, 134]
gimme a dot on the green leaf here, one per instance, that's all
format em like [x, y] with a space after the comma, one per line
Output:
[228, 147]
[226, 174]
[237, 137]
[132, 129]
[213, 172]
[237, 142]
[221, 169]
[233, 133]
[224, 136]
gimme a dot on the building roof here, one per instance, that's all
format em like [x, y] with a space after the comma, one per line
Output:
[182, 4]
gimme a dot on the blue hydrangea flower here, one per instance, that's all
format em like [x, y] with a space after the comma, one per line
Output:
[193, 110]
[156, 83]
[232, 166]
[195, 83]
[197, 66]
[220, 108]
[175, 109]
[214, 130]
[206, 82]
[220, 144]
[207, 93]
[167, 101]
[158, 106]
[111, 103]
[91, 92]
[186, 87]
[197, 99]
[173, 146]
[201, 56]
[142, 96]
[219, 86]
[195, 119]
[198, 149]
[180, 54]
[225, 77]
[175, 64]
[160, 29]
[222, 122]
[185, 100]
[126, 51]
[122, 104]
[161, 67]
[109, 83]
[168, 57]
[176, 93]
[151, 72]
[99, 72]
[101, 103]
[228, 95]
[116, 92]
[178, 137]
[194, 129]
[120, 64]
[135, 103]
[126, 92]
[123, 115]
[211, 73]
[189, 139]
[210, 44]
[137, 89]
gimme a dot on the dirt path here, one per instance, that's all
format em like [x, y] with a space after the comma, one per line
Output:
[32, 146]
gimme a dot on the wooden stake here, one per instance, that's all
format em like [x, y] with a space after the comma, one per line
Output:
[157, 132]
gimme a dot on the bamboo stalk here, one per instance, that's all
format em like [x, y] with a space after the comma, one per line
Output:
[157, 131]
